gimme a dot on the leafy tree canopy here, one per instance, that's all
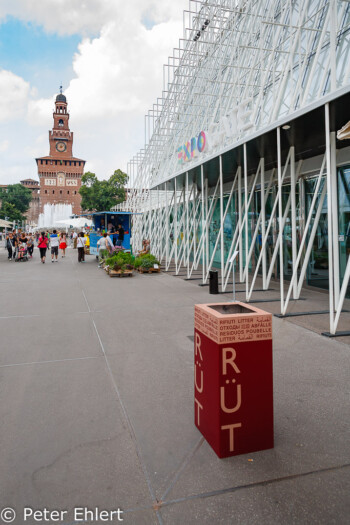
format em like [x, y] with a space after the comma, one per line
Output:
[102, 195]
[15, 202]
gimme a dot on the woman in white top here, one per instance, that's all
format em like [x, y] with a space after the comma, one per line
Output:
[102, 244]
[81, 241]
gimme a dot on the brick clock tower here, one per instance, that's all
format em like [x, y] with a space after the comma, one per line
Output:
[60, 173]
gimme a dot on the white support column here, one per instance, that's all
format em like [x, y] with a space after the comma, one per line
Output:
[194, 210]
[221, 224]
[330, 220]
[175, 221]
[335, 217]
[280, 214]
[294, 214]
[240, 243]
[203, 215]
[333, 43]
[246, 226]
[150, 218]
[206, 227]
[186, 228]
[158, 226]
[166, 227]
[263, 221]
[343, 290]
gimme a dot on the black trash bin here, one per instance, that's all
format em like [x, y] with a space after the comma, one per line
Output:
[213, 282]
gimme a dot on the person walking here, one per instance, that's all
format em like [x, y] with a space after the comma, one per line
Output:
[75, 239]
[42, 245]
[30, 245]
[102, 245]
[81, 241]
[10, 245]
[120, 235]
[15, 237]
[109, 244]
[54, 245]
[22, 246]
[63, 243]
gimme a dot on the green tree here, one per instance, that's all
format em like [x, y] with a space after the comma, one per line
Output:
[15, 201]
[102, 195]
[9, 212]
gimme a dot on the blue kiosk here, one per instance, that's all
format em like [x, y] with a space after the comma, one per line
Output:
[108, 221]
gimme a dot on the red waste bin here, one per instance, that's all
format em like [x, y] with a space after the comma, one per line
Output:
[233, 377]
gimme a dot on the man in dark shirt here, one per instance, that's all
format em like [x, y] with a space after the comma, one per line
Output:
[120, 235]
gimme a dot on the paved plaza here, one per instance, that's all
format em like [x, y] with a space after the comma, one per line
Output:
[96, 382]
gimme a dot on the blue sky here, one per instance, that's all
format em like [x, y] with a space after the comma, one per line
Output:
[41, 58]
[108, 55]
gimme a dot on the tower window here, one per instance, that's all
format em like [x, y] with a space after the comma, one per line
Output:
[75, 193]
[53, 191]
[60, 122]
[61, 192]
[67, 192]
[45, 191]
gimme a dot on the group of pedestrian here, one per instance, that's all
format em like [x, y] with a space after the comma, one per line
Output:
[21, 244]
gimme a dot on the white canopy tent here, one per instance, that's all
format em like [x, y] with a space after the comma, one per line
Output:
[5, 224]
[78, 222]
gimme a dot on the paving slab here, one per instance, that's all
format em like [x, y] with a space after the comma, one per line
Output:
[98, 406]
[67, 443]
[301, 501]
[47, 338]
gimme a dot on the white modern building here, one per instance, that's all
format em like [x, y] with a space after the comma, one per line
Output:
[248, 149]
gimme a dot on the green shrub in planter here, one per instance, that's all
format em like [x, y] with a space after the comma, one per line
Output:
[126, 258]
[111, 260]
[146, 261]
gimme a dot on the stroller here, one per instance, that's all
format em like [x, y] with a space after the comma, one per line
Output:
[21, 252]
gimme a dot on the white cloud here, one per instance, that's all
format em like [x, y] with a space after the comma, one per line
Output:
[121, 70]
[4, 145]
[13, 96]
[118, 71]
[89, 16]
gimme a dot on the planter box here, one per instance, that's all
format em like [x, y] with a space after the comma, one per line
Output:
[148, 270]
[118, 273]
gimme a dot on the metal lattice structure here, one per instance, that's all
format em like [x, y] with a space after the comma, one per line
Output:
[242, 69]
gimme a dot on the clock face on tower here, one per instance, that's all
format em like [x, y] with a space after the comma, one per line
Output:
[61, 146]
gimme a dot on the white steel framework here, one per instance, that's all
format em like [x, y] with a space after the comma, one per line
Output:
[242, 69]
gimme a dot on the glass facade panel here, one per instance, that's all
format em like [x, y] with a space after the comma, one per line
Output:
[344, 220]
[317, 273]
[214, 228]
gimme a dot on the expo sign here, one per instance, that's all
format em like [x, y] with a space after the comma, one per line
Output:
[189, 150]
